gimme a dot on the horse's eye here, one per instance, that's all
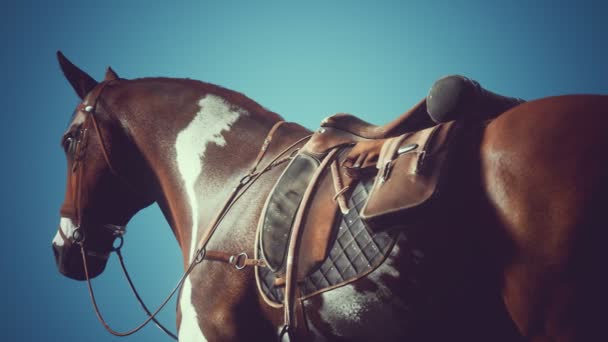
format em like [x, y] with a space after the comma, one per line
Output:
[67, 144]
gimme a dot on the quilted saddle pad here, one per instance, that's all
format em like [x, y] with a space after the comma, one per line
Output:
[354, 252]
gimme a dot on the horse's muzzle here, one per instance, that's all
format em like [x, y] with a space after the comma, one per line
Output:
[69, 261]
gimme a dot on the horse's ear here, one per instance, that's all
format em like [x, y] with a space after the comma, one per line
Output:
[111, 75]
[80, 80]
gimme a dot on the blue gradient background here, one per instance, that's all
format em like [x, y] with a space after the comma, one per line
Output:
[302, 60]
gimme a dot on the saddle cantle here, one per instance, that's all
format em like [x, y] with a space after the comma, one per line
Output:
[457, 97]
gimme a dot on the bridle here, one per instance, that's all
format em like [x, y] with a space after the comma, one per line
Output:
[239, 261]
[78, 235]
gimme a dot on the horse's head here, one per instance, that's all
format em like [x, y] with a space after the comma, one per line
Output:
[99, 200]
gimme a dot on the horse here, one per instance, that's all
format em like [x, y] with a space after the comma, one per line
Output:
[515, 252]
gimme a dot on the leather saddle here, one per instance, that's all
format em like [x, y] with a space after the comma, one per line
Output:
[299, 223]
[404, 178]
[399, 167]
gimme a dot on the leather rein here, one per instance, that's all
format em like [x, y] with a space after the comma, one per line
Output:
[239, 261]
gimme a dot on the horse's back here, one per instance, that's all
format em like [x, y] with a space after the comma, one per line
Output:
[572, 119]
[544, 169]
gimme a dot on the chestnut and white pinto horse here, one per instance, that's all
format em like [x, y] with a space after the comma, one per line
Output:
[517, 255]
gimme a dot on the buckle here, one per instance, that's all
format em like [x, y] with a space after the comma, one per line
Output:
[239, 261]
[386, 171]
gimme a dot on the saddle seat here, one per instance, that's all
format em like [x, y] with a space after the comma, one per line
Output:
[412, 120]
[450, 98]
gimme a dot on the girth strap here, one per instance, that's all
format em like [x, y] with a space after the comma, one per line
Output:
[292, 251]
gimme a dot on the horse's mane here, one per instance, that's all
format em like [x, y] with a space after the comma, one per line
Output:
[232, 96]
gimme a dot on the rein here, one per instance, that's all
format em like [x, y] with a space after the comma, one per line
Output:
[239, 261]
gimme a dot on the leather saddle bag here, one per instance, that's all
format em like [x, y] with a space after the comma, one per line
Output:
[410, 169]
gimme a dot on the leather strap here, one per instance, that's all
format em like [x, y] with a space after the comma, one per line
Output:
[291, 265]
[265, 145]
[91, 110]
[339, 187]
[239, 261]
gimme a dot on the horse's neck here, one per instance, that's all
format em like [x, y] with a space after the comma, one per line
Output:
[199, 163]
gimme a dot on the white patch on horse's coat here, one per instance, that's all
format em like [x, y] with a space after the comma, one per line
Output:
[347, 304]
[189, 330]
[214, 117]
[387, 268]
[67, 227]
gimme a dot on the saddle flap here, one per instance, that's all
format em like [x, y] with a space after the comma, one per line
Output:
[317, 222]
[409, 170]
[281, 207]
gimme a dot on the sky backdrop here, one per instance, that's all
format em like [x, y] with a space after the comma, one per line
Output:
[304, 60]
